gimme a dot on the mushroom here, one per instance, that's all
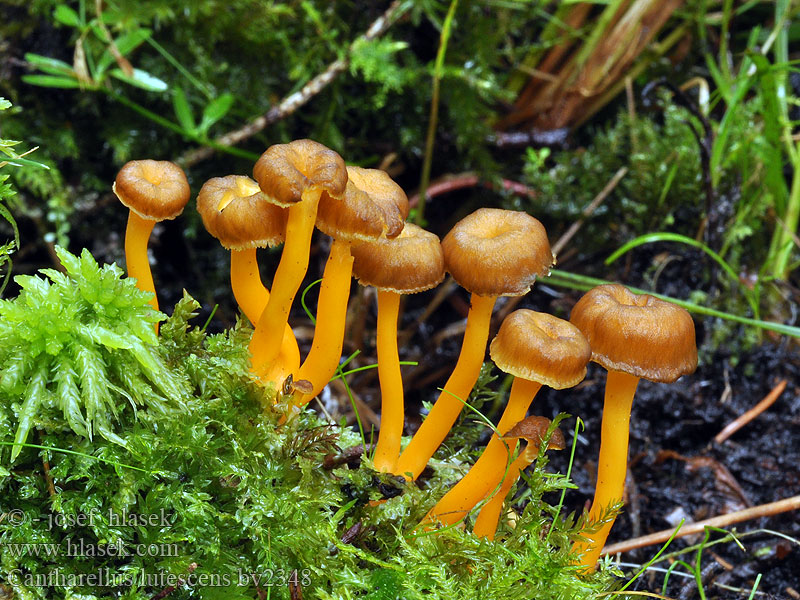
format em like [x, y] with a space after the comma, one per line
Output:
[533, 430]
[410, 263]
[153, 190]
[235, 211]
[293, 175]
[372, 206]
[632, 336]
[490, 253]
[537, 349]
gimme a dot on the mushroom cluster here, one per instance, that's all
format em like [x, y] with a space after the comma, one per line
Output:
[491, 253]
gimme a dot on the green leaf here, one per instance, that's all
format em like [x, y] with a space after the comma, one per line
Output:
[67, 16]
[215, 110]
[141, 79]
[183, 111]
[52, 81]
[53, 66]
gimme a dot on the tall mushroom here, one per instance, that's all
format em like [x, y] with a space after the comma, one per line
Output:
[235, 211]
[533, 430]
[153, 190]
[293, 175]
[410, 263]
[537, 349]
[490, 253]
[632, 336]
[372, 206]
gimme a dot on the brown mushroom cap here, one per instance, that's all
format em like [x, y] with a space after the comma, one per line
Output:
[495, 252]
[285, 170]
[389, 196]
[637, 334]
[154, 189]
[237, 213]
[540, 347]
[410, 263]
[533, 429]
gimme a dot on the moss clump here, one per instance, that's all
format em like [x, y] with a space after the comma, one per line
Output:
[204, 490]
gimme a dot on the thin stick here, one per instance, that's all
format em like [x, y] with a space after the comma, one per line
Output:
[294, 101]
[587, 212]
[452, 183]
[751, 414]
[171, 588]
[763, 510]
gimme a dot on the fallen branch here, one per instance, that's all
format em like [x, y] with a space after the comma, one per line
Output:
[751, 414]
[763, 510]
[293, 101]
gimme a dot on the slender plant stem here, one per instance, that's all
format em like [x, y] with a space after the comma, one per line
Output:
[433, 119]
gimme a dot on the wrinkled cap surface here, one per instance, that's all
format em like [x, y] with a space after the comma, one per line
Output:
[533, 429]
[237, 213]
[284, 171]
[637, 334]
[495, 252]
[410, 263]
[389, 196]
[541, 347]
[371, 207]
[154, 189]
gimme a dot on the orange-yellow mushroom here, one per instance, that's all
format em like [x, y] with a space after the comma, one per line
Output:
[410, 263]
[235, 211]
[533, 430]
[632, 336]
[490, 253]
[372, 206]
[537, 349]
[153, 190]
[292, 175]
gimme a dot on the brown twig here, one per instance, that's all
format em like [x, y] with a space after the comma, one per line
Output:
[763, 510]
[171, 588]
[51, 488]
[294, 101]
[587, 212]
[751, 414]
[452, 183]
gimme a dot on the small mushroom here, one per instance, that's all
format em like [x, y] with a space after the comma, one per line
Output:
[533, 430]
[490, 253]
[153, 190]
[293, 175]
[632, 336]
[372, 206]
[537, 349]
[411, 263]
[235, 211]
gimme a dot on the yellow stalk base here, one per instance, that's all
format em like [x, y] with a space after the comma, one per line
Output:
[489, 470]
[252, 297]
[612, 463]
[136, 237]
[266, 341]
[456, 391]
[489, 516]
[326, 349]
[387, 450]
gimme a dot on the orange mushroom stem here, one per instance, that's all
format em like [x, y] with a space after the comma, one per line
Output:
[292, 175]
[632, 336]
[137, 236]
[451, 400]
[153, 191]
[612, 464]
[533, 430]
[538, 349]
[478, 253]
[326, 349]
[408, 264]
